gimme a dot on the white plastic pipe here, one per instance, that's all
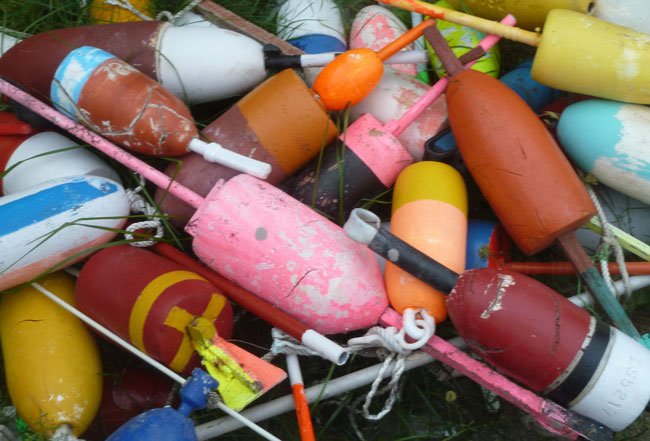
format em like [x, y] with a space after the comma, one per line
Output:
[284, 404]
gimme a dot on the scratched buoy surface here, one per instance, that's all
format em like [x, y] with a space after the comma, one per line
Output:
[51, 222]
[122, 104]
[34, 159]
[51, 359]
[150, 303]
[518, 166]
[283, 251]
[611, 140]
[558, 349]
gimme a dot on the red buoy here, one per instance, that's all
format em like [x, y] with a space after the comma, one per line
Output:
[148, 300]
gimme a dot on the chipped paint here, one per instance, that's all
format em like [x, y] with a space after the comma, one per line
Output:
[504, 282]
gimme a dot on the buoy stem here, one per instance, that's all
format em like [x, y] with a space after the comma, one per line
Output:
[482, 24]
[213, 152]
[407, 38]
[101, 144]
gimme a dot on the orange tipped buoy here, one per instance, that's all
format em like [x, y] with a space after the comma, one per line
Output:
[351, 76]
[429, 213]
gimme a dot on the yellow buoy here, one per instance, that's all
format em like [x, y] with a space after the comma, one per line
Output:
[616, 58]
[430, 214]
[530, 13]
[133, 10]
[52, 362]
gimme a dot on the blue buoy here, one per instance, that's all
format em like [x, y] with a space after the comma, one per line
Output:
[167, 424]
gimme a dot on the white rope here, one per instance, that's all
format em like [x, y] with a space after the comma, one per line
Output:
[6, 434]
[139, 205]
[125, 4]
[608, 242]
[285, 344]
[173, 18]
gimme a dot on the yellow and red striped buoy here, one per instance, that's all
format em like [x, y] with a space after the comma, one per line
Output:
[149, 301]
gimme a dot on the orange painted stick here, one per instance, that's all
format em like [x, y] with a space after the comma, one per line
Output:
[300, 399]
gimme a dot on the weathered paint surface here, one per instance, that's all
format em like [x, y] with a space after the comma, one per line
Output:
[283, 251]
[52, 361]
[486, 306]
[584, 54]
[31, 215]
[518, 166]
[611, 140]
[374, 27]
[394, 95]
[122, 104]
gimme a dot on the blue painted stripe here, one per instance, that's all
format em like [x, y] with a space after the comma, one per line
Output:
[49, 202]
[319, 43]
[72, 74]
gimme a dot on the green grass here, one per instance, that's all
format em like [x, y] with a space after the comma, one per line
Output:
[429, 408]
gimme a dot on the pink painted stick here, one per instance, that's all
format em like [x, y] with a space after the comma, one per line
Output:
[115, 152]
[397, 127]
[553, 417]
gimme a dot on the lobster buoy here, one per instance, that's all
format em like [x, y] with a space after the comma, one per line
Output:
[43, 156]
[150, 303]
[429, 212]
[55, 222]
[487, 244]
[535, 94]
[268, 243]
[315, 26]
[262, 125]
[633, 14]
[167, 424]
[609, 139]
[52, 364]
[178, 57]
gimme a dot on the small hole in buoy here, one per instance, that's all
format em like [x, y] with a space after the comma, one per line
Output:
[591, 7]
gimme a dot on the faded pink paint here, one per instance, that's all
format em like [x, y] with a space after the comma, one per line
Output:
[374, 27]
[374, 146]
[393, 96]
[552, 416]
[284, 252]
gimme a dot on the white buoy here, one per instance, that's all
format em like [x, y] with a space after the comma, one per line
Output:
[633, 14]
[31, 169]
[54, 221]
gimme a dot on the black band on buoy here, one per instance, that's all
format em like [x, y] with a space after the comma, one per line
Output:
[585, 369]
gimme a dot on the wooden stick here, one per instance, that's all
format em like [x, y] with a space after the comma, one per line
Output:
[229, 20]
[487, 26]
